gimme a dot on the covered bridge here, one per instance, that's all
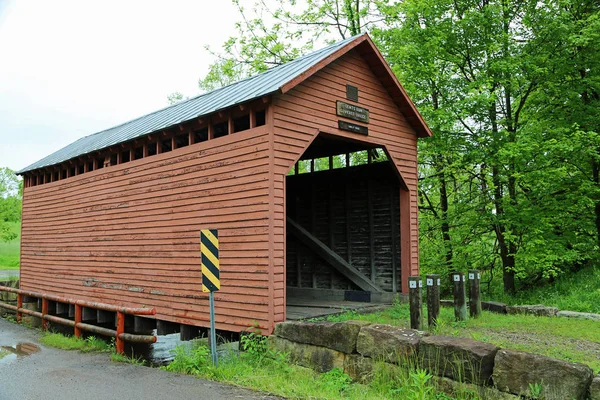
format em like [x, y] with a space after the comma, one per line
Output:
[308, 171]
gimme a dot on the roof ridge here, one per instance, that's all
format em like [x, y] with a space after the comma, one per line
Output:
[246, 89]
[312, 53]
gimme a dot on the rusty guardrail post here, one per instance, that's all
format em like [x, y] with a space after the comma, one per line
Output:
[19, 306]
[44, 313]
[120, 343]
[77, 331]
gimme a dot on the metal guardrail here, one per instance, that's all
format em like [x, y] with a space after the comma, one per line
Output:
[78, 326]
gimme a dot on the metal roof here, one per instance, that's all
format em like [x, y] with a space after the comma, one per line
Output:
[239, 92]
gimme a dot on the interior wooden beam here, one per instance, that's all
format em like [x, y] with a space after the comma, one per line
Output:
[332, 258]
[230, 126]
[252, 116]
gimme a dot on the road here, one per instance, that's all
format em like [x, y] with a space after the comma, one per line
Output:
[52, 374]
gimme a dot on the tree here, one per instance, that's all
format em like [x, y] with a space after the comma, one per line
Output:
[272, 34]
[10, 202]
[474, 69]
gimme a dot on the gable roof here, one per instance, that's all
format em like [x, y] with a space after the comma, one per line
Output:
[278, 79]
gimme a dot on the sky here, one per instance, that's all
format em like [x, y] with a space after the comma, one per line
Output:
[72, 68]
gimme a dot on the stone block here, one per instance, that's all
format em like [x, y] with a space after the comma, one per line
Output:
[460, 359]
[320, 359]
[359, 368]
[494, 306]
[468, 390]
[388, 343]
[538, 310]
[340, 336]
[595, 388]
[30, 320]
[515, 370]
[580, 315]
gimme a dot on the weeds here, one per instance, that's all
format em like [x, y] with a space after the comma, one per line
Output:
[122, 358]
[89, 344]
[571, 340]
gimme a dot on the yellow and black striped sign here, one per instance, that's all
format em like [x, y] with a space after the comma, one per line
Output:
[209, 248]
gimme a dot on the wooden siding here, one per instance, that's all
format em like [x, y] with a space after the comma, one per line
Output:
[128, 234]
[310, 108]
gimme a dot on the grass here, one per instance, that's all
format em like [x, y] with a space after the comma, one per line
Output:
[265, 370]
[3, 353]
[574, 292]
[9, 252]
[574, 340]
[122, 358]
[89, 344]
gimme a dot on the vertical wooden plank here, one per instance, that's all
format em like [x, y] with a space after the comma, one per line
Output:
[298, 260]
[296, 168]
[348, 232]
[330, 162]
[173, 143]
[145, 150]
[331, 230]
[271, 315]
[191, 138]
[312, 165]
[252, 116]
[371, 227]
[230, 127]
[405, 238]
[393, 240]
[313, 224]
[132, 154]
[211, 130]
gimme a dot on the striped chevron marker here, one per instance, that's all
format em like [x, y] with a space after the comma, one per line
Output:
[209, 248]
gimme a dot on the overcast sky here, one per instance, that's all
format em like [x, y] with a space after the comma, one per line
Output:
[72, 68]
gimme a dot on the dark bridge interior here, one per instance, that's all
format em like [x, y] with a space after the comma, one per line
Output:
[343, 227]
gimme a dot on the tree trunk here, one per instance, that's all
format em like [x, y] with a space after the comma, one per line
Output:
[445, 224]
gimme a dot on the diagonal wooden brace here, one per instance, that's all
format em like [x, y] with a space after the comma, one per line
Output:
[332, 258]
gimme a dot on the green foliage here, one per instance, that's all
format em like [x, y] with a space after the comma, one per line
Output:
[9, 251]
[275, 375]
[122, 358]
[507, 183]
[194, 361]
[271, 34]
[3, 353]
[335, 380]
[578, 291]
[10, 203]
[89, 344]
[567, 339]
[535, 391]
[175, 98]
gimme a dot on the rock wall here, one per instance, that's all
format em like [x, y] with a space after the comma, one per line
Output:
[359, 348]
